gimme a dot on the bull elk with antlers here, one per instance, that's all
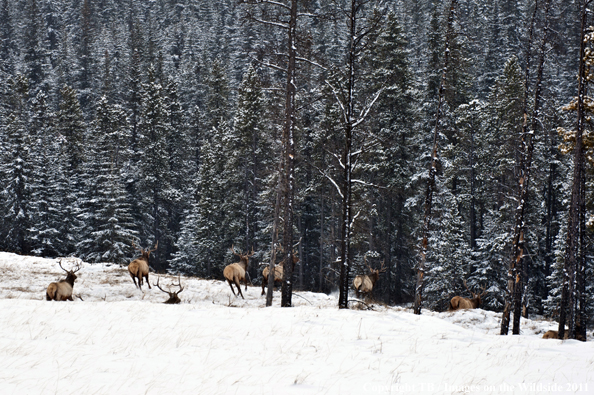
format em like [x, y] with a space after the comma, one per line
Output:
[459, 303]
[139, 268]
[62, 290]
[278, 272]
[364, 283]
[173, 298]
[237, 272]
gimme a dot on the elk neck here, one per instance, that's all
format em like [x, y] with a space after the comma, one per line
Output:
[70, 279]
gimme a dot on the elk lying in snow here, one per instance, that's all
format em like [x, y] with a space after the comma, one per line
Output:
[554, 335]
[173, 298]
[364, 283]
[139, 268]
[62, 290]
[278, 272]
[237, 272]
[459, 303]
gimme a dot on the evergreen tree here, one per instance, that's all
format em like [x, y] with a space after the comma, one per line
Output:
[17, 171]
[109, 227]
[154, 185]
[71, 130]
[47, 187]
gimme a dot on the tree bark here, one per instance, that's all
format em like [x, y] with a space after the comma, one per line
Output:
[289, 161]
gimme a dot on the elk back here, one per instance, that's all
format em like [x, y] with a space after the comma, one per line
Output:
[363, 284]
[59, 291]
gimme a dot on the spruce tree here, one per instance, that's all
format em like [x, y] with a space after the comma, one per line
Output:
[17, 170]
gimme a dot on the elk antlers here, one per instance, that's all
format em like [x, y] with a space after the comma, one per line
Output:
[76, 268]
[474, 295]
[142, 251]
[173, 298]
[382, 268]
[249, 254]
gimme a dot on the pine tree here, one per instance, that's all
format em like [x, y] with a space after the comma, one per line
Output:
[109, 231]
[392, 164]
[252, 164]
[154, 185]
[17, 170]
[71, 130]
[47, 209]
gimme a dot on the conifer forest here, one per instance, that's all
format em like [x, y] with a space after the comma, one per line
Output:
[447, 142]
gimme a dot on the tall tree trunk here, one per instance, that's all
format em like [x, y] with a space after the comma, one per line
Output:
[273, 248]
[321, 274]
[289, 162]
[345, 234]
[433, 170]
[570, 298]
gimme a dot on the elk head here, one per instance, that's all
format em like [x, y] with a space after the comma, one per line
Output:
[173, 298]
[459, 303]
[243, 258]
[145, 254]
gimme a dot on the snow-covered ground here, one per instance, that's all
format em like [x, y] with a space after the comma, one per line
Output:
[115, 339]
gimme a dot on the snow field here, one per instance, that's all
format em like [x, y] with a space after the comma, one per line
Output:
[123, 341]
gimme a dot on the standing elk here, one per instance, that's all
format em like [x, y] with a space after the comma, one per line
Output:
[173, 298]
[237, 272]
[139, 268]
[460, 303]
[278, 272]
[62, 290]
[364, 283]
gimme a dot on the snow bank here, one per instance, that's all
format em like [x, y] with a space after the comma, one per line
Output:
[118, 340]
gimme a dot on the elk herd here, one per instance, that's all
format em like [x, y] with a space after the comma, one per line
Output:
[236, 273]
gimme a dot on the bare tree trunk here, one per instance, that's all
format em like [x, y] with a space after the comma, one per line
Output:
[574, 249]
[273, 248]
[433, 170]
[321, 274]
[289, 162]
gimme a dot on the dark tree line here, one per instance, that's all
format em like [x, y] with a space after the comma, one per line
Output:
[303, 128]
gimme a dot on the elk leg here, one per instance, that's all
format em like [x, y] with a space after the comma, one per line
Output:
[238, 284]
[231, 286]
[148, 282]
[134, 279]
[263, 285]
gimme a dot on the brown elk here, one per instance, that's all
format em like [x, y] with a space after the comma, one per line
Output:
[364, 283]
[139, 268]
[237, 272]
[459, 303]
[173, 298]
[62, 290]
[278, 272]
[554, 335]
